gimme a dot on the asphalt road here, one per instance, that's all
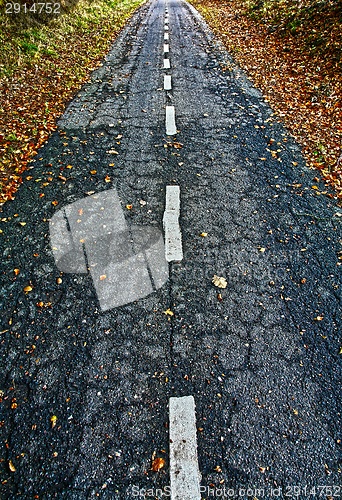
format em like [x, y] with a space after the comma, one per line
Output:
[85, 391]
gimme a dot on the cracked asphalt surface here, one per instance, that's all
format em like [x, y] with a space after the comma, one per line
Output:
[262, 360]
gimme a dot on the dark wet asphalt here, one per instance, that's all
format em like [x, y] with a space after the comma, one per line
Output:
[264, 369]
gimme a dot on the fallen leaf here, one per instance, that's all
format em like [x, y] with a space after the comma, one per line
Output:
[204, 235]
[157, 464]
[16, 271]
[107, 178]
[262, 249]
[11, 466]
[103, 277]
[129, 207]
[168, 312]
[219, 281]
[53, 421]
[318, 318]
[93, 172]
[54, 203]
[28, 288]
[59, 281]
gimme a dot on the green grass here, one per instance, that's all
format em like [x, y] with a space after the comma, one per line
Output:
[27, 39]
[44, 60]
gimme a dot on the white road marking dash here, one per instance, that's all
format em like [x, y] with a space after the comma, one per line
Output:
[170, 120]
[173, 236]
[167, 82]
[166, 36]
[167, 64]
[166, 47]
[184, 471]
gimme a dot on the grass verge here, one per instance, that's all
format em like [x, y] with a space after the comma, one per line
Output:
[292, 51]
[43, 62]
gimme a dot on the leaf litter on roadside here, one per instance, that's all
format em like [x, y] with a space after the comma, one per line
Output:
[299, 63]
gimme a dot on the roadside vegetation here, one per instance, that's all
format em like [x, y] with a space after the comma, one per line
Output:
[292, 51]
[45, 57]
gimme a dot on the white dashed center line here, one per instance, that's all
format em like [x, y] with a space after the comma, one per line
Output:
[167, 82]
[166, 36]
[167, 64]
[173, 236]
[184, 471]
[166, 27]
[170, 121]
[166, 47]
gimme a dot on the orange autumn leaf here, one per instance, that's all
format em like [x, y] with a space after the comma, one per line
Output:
[157, 464]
